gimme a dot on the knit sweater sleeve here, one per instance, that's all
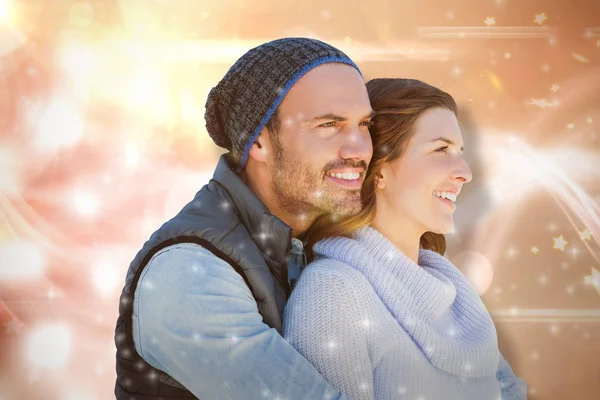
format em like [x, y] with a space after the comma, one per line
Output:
[326, 321]
[511, 386]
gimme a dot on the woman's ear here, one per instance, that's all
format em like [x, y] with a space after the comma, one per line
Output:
[260, 148]
[380, 181]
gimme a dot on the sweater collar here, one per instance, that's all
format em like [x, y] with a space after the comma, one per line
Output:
[431, 300]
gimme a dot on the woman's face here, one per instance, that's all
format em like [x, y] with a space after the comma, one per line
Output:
[420, 187]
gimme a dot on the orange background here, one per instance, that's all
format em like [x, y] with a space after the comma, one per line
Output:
[103, 139]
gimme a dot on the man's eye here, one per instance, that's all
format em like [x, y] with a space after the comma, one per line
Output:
[328, 124]
[442, 149]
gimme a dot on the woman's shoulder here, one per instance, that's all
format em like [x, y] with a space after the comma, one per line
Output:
[335, 273]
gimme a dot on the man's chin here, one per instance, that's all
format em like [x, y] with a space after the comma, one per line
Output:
[347, 210]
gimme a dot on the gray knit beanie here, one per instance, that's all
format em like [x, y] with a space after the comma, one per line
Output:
[243, 102]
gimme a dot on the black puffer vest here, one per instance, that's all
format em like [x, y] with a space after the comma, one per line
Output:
[227, 218]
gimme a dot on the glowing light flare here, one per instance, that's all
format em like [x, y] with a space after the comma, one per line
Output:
[132, 153]
[60, 125]
[21, 260]
[147, 93]
[77, 59]
[476, 268]
[84, 202]
[106, 277]
[515, 170]
[79, 63]
[6, 11]
[49, 346]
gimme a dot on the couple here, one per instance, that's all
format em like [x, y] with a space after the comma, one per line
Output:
[363, 183]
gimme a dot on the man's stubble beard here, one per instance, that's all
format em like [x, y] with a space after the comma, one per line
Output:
[300, 189]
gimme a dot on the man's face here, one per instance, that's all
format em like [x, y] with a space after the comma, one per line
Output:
[323, 148]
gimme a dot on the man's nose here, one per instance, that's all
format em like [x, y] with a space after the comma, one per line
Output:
[357, 145]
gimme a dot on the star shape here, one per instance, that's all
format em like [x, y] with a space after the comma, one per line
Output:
[594, 279]
[535, 250]
[560, 243]
[585, 235]
[490, 21]
[555, 87]
[540, 18]
[13, 326]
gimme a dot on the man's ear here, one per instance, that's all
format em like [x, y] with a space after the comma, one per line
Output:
[261, 147]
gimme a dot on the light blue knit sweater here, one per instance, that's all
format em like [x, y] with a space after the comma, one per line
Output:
[378, 326]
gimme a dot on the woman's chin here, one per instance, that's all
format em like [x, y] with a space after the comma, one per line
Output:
[444, 229]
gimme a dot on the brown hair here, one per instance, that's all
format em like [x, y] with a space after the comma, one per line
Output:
[397, 104]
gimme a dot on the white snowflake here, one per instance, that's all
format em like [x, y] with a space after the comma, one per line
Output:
[225, 205]
[288, 121]
[457, 71]
[429, 349]
[148, 284]
[570, 289]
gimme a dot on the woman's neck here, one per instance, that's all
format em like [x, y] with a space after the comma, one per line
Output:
[400, 231]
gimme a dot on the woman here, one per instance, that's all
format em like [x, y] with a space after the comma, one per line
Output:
[380, 312]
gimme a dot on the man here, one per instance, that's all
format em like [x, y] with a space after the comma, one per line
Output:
[200, 313]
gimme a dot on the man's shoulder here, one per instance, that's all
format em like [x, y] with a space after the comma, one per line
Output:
[182, 250]
[183, 258]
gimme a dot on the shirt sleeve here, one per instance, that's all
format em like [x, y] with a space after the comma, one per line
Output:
[195, 319]
[511, 386]
[324, 321]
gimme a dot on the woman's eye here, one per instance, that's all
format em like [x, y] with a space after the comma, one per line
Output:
[367, 123]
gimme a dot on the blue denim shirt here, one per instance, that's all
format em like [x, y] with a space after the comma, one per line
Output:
[195, 319]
